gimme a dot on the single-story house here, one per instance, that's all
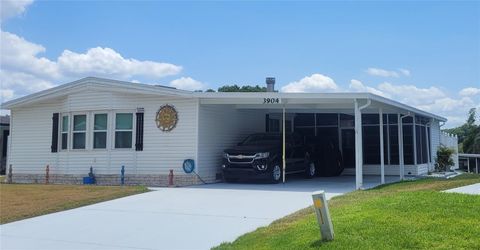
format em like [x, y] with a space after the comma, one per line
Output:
[151, 129]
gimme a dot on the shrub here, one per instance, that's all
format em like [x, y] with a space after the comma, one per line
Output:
[444, 160]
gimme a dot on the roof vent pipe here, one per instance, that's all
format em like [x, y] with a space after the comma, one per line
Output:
[270, 84]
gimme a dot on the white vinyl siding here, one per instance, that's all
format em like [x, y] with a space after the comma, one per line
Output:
[31, 138]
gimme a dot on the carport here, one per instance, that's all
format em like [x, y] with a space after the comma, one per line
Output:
[376, 124]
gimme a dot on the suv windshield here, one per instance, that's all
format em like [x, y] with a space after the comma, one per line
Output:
[261, 139]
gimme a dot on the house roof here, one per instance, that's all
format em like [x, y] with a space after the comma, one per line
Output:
[140, 88]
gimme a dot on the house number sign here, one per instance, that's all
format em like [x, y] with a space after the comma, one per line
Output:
[272, 100]
[167, 118]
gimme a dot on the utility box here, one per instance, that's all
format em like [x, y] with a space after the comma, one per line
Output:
[323, 215]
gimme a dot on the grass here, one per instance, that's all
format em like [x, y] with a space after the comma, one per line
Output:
[405, 215]
[21, 201]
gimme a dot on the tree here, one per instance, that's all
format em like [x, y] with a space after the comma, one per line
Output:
[444, 160]
[468, 134]
[244, 88]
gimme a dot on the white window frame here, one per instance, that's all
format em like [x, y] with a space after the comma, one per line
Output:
[107, 130]
[61, 132]
[87, 121]
[115, 130]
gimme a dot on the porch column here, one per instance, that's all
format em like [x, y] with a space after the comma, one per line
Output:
[476, 164]
[358, 148]
[400, 146]
[283, 145]
[468, 165]
[382, 164]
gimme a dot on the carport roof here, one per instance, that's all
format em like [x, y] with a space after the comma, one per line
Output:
[257, 98]
[208, 97]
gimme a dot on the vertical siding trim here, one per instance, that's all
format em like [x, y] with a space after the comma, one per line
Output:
[197, 134]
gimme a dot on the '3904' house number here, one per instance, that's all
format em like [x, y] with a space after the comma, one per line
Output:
[271, 100]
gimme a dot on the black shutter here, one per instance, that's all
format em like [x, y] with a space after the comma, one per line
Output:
[54, 146]
[139, 134]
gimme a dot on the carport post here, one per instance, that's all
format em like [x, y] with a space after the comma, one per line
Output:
[476, 164]
[382, 157]
[283, 145]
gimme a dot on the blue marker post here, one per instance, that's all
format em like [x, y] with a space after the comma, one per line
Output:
[122, 175]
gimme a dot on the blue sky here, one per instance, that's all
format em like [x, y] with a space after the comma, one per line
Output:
[426, 54]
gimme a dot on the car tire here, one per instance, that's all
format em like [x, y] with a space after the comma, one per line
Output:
[276, 174]
[310, 169]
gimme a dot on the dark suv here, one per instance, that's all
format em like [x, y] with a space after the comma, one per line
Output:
[259, 156]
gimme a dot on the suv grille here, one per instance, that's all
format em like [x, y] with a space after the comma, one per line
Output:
[241, 159]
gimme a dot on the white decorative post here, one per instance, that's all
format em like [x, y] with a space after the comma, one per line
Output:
[323, 215]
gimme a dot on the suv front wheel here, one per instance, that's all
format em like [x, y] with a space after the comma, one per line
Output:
[276, 173]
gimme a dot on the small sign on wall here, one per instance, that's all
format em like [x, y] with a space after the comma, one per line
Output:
[273, 100]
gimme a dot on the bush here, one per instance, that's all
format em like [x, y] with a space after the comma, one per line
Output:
[444, 160]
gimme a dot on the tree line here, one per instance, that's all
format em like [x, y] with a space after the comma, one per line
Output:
[468, 134]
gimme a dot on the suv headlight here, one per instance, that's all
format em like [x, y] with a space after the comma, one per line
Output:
[262, 155]
[225, 155]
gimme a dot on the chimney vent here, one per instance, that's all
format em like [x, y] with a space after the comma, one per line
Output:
[270, 84]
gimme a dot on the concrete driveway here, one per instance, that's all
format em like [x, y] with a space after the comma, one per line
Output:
[197, 217]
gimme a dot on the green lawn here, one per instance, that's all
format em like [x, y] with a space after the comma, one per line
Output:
[21, 201]
[410, 214]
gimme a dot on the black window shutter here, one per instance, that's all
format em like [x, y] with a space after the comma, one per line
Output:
[139, 134]
[54, 146]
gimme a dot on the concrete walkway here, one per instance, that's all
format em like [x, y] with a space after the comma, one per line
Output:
[198, 217]
[470, 189]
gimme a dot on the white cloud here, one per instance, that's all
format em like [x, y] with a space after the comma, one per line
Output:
[358, 86]
[107, 62]
[12, 8]
[387, 73]
[405, 72]
[23, 70]
[313, 83]
[187, 83]
[19, 54]
[433, 100]
[382, 72]
[469, 91]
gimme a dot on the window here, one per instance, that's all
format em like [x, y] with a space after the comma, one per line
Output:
[100, 130]
[327, 119]
[393, 137]
[64, 136]
[123, 130]
[79, 131]
[371, 144]
[408, 143]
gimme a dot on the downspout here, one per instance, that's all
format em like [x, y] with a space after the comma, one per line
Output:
[359, 143]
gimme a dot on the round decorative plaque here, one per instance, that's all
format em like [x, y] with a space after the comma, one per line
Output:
[167, 118]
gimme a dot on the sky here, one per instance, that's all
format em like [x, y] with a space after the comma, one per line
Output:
[423, 53]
